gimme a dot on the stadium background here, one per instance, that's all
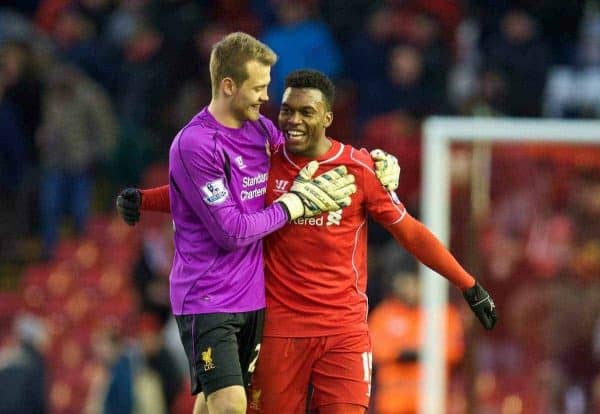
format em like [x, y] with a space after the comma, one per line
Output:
[119, 78]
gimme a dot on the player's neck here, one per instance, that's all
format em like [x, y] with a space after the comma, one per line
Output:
[221, 111]
[319, 150]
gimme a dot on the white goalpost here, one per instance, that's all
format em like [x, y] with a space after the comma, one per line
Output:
[438, 135]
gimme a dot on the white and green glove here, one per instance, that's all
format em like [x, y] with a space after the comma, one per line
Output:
[329, 191]
[386, 169]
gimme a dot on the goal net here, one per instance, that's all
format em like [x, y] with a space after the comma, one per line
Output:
[531, 238]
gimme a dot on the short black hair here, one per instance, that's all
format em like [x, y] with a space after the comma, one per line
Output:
[309, 78]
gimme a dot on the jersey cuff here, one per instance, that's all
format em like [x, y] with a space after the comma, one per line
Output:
[286, 211]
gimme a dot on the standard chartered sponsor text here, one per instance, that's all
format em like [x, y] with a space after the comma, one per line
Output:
[312, 221]
[250, 194]
[252, 181]
[257, 179]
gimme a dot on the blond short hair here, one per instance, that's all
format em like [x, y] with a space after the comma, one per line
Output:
[229, 57]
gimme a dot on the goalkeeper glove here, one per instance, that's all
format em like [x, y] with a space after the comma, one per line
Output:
[129, 203]
[329, 191]
[386, 169]
[482, 305]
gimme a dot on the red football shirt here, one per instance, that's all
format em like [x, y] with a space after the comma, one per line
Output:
[316, 268]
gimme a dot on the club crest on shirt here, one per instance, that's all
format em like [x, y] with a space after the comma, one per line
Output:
[215, 192]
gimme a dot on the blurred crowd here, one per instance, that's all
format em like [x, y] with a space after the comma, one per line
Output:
[92, 92]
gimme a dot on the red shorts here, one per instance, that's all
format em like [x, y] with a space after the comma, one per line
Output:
[337, 366]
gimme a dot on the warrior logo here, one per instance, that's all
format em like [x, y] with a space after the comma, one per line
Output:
[281, 185]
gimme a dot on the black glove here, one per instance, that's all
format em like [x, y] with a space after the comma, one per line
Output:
[128, 205]
[407, 356]
[482, 305]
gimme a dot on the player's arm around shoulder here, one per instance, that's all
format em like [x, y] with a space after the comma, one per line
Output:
[382, 165]
[198, 170]
[202, 167]
[361, 164]
[197, 178]
[197, 147]
[383, 205]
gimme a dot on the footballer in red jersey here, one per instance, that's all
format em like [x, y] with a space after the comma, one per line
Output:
[316, 269]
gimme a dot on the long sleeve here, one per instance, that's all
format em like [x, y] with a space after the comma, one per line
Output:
[423, 244]
[199, 184]
[217, 185]
[156, 199]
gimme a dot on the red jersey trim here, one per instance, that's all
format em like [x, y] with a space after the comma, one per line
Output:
[368, 167]
[401, 217]
[356, 274]
[286, 156]
[337, 155]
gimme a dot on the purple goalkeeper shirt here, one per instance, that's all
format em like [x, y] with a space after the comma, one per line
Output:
[218, 181]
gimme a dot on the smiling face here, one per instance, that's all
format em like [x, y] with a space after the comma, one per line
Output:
[252, 93]
[303, 118]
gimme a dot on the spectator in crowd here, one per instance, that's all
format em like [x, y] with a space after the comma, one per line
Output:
[426, 35]
[135, 374]
[21, 112]
[396, 327]
[23, 368]
[195, 90]
[78, 44]
[314, 45]
[521, 56]
[151, 274]
[177, 47]
[248, 16]
[113, 391]
[343, 17]
[77, 132]
[157, 358]
[489, 97]
[12, 149]
[97, 12]
[143, 79]
[23, 89]
[404, 88]
[124, 20]
[370, 46]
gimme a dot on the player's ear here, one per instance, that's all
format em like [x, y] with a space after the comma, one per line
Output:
[327, 119]
[228, 86]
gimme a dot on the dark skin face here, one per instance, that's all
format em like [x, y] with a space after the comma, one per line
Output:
[303, 118]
